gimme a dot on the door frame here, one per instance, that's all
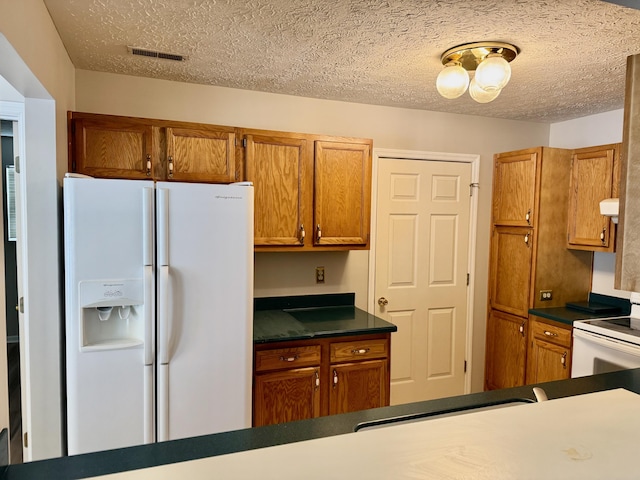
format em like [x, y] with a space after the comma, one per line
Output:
[474, 160]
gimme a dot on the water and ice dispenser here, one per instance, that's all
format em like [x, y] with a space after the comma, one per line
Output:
[111, 314]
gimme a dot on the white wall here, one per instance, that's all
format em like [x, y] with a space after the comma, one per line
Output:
[593, 130]
[393, 128]
[36, 65]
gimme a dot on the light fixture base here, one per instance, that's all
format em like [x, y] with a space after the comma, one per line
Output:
[469, 55]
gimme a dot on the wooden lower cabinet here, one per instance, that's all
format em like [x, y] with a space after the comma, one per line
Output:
[293, 394]
[549, 351]
[506, 350]
[308, 378]
[358, 386]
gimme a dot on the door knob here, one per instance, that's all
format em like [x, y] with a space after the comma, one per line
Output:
[382, 301]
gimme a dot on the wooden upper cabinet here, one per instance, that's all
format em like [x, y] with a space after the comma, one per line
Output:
[515, 187]
[281, 171]
[201, 154]
[595, 176]
[111, 147]
[510, 269]
[342, 184]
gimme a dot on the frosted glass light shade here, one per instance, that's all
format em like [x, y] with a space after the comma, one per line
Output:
[493, 73]
[452, 81]
[480, 95]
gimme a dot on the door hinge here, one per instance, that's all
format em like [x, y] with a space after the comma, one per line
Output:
[26, 439]
[465, 366]
[468, 277]
[471, 187]
[16, 164]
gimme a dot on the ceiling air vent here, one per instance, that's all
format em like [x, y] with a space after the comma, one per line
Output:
[153, 54]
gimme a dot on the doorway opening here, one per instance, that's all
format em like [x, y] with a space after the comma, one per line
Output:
[11, 290]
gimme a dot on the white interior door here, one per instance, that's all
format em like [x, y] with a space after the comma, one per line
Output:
[421, 267]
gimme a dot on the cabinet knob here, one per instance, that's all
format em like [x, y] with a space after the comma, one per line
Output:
[527, 217]
[563, 360]
[603, 234]
[550, 334]
[526, 239]
[383, 301]
[148, 165]
[170, 159]
[521, 329]
[318, 233]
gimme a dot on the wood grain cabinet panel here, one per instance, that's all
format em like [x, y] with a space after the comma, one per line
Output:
[510, 269]
[286, 395]
[506, 350]
[515, 182]
[549, 351]
[342, 193]
[595, 176]
[280, 167]
[358, 386]
[111, 147]
[201, 154]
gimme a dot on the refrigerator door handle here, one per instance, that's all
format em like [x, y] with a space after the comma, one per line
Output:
[148, 404]
[163, 317]
[147, 226]
[148, 315]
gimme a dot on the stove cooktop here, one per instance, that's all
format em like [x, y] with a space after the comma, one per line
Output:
[622, 328]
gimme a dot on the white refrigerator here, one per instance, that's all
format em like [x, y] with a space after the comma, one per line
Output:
[159, 310]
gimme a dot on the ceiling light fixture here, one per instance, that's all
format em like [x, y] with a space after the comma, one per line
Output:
[489, 60]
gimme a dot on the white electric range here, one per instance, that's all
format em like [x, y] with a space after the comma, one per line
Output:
[607, 344]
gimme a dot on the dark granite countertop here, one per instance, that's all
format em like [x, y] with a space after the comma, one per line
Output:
[113, 461]
[569, 315]
[278, 319]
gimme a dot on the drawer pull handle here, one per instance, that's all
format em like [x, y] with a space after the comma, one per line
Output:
[603, 235]
[148, 165]
[170, 166]
[360, 351]
[317, 380]
[335, 379]
[563, 360]
[289, 359]
[550, 334]
[318, 233]
[302, 234]
[527, 217]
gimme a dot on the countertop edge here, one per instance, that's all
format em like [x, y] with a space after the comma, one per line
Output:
[114, 461]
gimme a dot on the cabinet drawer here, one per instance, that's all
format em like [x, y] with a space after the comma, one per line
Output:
[551, 333]
[293, 357]
[359, 350]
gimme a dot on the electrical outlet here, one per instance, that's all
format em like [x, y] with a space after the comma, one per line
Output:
[545, 295]
[319, 274]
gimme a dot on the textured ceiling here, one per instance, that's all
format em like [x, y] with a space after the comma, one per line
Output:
[572, 61]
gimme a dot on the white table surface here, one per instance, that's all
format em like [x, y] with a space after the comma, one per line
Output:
[592, 436]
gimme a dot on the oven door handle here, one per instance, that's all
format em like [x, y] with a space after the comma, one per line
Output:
[608, 342]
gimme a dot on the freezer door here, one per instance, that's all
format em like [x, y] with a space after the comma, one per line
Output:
[205, 257]
[109, 310]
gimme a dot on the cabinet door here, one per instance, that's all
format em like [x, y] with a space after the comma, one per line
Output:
[112, 147]
[342, 193]
[549, 352]
[358, 386]
[200, 154]
[514, 188]
[510, 269]
[506, 351]
[593, 177]
[286, 395]
[547, 361]
[280, 169]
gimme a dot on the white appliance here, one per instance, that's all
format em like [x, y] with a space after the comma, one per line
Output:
[159, 315]
[607, 344]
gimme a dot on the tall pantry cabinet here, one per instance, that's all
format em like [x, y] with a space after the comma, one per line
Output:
[528, 255]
